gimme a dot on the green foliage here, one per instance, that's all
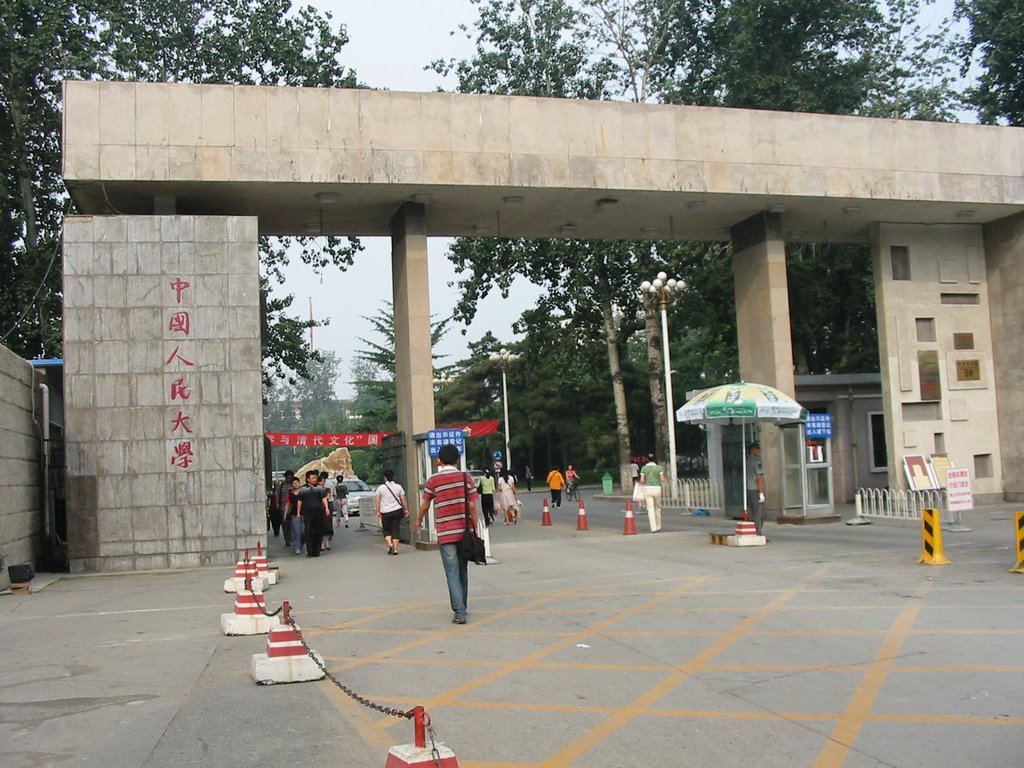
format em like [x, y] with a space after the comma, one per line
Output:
[43, 42]
[995, 41]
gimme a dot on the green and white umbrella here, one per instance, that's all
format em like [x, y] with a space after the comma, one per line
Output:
[742, 403]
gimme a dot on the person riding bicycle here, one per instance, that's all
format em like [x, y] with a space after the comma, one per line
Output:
[572, 482]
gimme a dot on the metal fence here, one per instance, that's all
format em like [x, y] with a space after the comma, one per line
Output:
[694, 493]
[895, 504]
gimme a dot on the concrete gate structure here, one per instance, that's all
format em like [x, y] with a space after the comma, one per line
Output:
[176, 183]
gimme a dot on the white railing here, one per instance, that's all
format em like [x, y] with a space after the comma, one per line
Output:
[896, 504]
[694, 493]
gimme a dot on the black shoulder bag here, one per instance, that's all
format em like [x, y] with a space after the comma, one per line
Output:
[471, 546]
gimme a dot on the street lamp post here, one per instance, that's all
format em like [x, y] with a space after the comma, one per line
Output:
[504, 358]
[661, 288]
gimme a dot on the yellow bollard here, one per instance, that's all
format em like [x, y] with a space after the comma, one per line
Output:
[1019, 567]
[931, 533]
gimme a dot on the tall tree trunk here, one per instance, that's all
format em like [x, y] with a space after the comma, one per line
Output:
[28, 205]
[656, 374]
[611, 336]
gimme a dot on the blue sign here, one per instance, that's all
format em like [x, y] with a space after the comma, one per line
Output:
[818, 425]
[497, 455]
[438, 437]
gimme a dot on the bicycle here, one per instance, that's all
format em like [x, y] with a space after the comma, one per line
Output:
[572, 490]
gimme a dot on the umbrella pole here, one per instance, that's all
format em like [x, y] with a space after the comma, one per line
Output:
[746, 515]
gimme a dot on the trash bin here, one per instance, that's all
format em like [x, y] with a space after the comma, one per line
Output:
[606, 481]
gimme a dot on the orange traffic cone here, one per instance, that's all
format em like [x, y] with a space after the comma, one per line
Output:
[545, 518]
[629, 529]
[581, 518]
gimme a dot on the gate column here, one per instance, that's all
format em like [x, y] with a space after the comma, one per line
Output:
[762, 323]
[414, 365]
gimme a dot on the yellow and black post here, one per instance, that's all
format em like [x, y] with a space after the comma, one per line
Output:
[1019, 567]
[931, 533]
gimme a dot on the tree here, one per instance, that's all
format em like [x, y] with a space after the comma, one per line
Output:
[995, 41]
[212, 41]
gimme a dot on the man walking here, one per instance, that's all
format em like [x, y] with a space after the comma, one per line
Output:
[653, 476]
[755, 486]
[556, 482]
[311, 507]
[454, 496]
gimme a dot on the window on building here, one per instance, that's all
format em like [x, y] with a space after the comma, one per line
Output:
[899, 256]
[876, 442]
[925, 328]
[983, 465]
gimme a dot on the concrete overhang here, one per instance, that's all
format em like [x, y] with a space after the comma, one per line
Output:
[332, 161]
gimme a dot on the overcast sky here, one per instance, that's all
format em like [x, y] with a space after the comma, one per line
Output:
[391, 41]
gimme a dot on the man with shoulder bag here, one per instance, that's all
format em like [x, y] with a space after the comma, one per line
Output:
[453, 494]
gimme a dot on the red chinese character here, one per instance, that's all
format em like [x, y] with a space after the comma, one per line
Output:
[180, 323]
[180, 389]
[350, 440]
[334, 441]
[300, 440]
[286, 439]
[373, 440]
[181, 422]
[318, 439]
[179, 286]
[183, 455]
[176, 354]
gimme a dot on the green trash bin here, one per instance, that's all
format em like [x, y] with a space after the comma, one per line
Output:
[606, 481]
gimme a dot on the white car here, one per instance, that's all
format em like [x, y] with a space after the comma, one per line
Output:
[357, 489]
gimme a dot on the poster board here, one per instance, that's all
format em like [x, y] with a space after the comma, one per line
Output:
[959, 494]
[941, 464]
[919, 471]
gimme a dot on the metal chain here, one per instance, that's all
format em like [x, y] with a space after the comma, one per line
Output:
[435, 753]
[403, 714]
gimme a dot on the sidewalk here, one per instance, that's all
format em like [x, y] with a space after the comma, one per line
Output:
[828, 647]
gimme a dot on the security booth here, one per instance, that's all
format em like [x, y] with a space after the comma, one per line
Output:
[807, 492]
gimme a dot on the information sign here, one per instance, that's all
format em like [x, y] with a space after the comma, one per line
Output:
[959, 495]
[438, 437]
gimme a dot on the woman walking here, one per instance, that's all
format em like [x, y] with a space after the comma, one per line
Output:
[391, 506]
[508, 497]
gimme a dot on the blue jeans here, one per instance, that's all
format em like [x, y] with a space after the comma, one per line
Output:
[456, 571]
[296, 524]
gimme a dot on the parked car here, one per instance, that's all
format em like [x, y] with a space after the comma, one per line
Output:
[357, 489]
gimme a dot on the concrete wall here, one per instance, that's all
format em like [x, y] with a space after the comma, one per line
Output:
[20, 515]
[939, 306]
[1004, 251]
[164, 433]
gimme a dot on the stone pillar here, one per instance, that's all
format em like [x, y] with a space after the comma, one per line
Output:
[414, 366]
[1004, 257]
[164, 430]
[762, 324]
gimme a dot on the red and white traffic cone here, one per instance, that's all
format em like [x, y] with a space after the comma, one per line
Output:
[419, 753]
[629, 527]
[249, 617]
[286, 659]
[581, 518]
[545, 518]
[246, 577]
[746, 533]
[263, 566]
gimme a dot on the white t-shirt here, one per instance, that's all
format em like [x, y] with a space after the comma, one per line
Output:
[390, 494]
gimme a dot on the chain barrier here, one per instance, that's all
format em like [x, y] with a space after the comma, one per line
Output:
[402, 714]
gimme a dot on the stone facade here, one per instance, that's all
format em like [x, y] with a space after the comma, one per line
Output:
[164, 435]
[20, 475]
[938, 372]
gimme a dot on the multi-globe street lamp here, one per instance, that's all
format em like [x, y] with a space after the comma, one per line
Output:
[504, 358]
[662, 288]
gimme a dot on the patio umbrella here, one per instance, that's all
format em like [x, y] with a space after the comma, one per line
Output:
[742, 403]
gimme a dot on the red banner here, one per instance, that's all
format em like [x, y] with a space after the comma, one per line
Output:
[294, 440]
[364, 439]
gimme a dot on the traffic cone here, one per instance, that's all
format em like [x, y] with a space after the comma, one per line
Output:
[545, 518]
[246, 577]
[263, 566]
[746, 534]
[249, 617]
[629, 528]
[287, 660]
[581, 518]
[405, 755]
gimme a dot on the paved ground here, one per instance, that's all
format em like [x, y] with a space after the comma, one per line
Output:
[829, 647]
